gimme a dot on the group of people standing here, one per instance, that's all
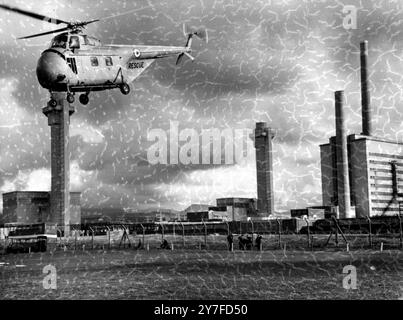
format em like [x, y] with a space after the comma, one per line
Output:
[245, 242]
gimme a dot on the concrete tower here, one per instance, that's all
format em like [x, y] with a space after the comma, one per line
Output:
[264, 168]
[59, 121]
[343, 182]
[365, 96]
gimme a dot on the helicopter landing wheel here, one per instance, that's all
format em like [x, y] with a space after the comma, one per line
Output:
[124, 88]
[52, 103]
[70, 98]
[84, 98]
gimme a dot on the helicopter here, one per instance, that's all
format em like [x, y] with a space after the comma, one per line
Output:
[77, 62]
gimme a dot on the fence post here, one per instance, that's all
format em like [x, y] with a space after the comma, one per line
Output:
[162, 231]
[60, 238]
[400, 226]
[75, 240]
[370, 232]
[253, 231]
[336, 233]
[183, 235]
[92, 238]
[205, 235]
[279, 232]
[144, 234]
[308, 232]
[109, 237]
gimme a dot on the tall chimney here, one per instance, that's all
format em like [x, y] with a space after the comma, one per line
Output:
[343, 185]
[264, 168]
[59, 121]
[365, 99]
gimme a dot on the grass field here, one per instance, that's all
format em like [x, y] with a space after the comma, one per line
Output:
[202, 274]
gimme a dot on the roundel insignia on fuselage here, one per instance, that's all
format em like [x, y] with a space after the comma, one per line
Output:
[136, 53]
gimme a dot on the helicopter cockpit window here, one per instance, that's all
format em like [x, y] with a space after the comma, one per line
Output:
[89, 41]
[108, 61]
[74, 42]
[94, 61]
[59, 41]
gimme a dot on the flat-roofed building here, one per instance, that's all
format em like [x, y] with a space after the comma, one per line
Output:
[376, 175]
[34, 207]
[238, 208]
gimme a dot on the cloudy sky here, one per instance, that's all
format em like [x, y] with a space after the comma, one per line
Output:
[273, 61]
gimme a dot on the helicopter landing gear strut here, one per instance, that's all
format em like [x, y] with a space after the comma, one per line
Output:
[125, 89]
[84, 98]
[70, 97]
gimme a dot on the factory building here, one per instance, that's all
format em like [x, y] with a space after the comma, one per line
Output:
[34, 207]
[227, 209]
[212, 214]
[238, 208]
[316, 212]
[362, 174]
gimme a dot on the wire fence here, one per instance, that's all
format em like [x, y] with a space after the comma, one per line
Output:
[285, 234]
[220, 242]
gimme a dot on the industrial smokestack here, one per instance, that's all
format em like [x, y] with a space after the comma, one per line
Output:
[59, 121]
[365, 98]
[343, 184]
[264, 168]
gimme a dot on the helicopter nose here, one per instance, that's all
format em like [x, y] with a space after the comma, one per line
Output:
[51, 69]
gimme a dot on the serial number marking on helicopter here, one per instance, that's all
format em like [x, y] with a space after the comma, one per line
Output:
[136, 65]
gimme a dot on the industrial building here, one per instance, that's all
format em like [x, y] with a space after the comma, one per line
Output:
[210, 215]
[317, 212]
[361, 174]
[34, 207]
[237, 208]
[58, 206]
[227, 209]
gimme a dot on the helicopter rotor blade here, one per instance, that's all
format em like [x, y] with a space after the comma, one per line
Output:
[45, 33]
[124, 13]
[33, 15]
[84, 23]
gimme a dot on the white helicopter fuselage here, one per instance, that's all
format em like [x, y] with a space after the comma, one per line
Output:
[76, 62]
[79, 63]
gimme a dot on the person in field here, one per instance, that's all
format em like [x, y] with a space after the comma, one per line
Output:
[241, 241]
[165, 245]
[258, 242]
[140, 245]
[230, 239]
[248, 242]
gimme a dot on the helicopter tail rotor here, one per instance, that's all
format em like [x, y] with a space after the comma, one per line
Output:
[189, 33]
[201, 33]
